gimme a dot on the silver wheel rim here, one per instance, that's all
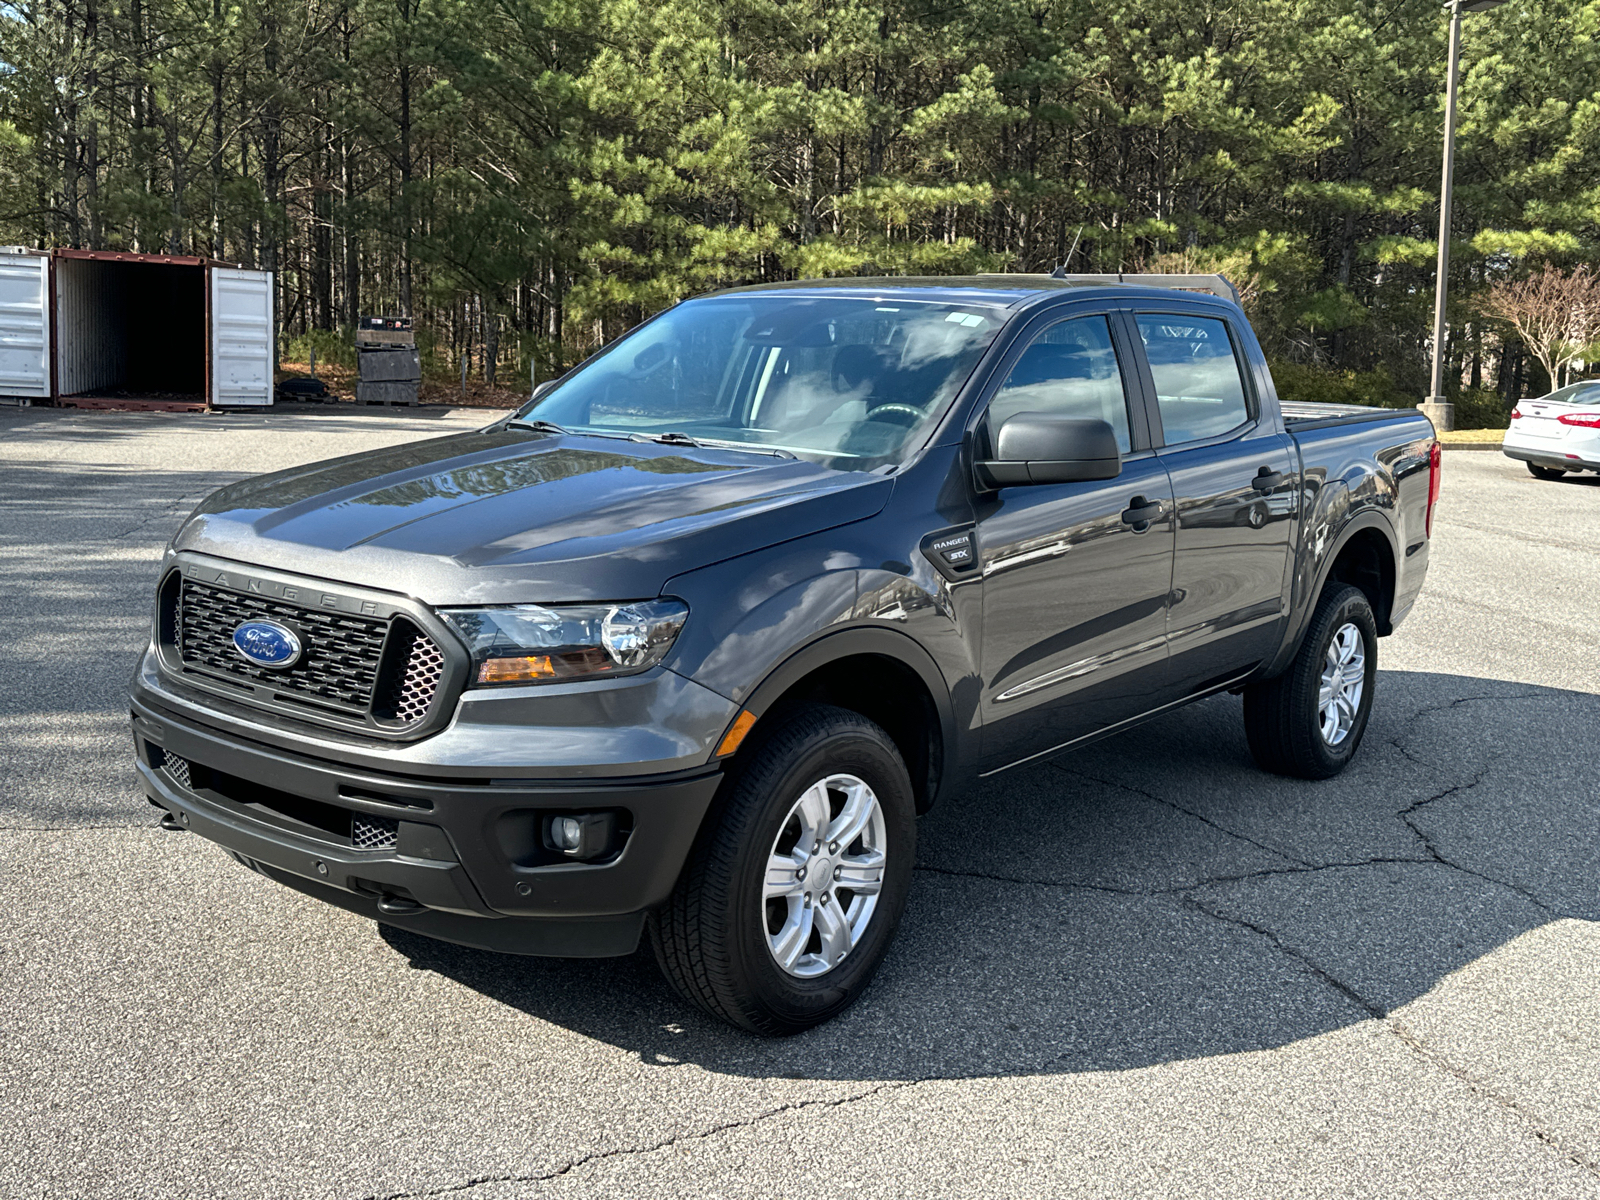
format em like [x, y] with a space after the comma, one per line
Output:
[1344, 678]
[824, 876]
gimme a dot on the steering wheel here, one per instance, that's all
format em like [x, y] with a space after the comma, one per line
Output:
[901, 414]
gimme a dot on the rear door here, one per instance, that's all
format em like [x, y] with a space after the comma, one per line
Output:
[242, 351]
[25, 326]
[1235, 479]
[1075, 575]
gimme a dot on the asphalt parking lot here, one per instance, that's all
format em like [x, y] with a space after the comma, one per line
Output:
[1142, 970]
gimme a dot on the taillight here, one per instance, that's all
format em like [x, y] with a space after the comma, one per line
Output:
[1435, 463]
[1582, 420]
[1516, 414]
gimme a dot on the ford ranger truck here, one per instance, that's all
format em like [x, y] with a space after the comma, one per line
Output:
[683, 647]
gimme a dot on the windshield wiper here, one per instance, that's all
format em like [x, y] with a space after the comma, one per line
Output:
[538, 426]
[683, 439]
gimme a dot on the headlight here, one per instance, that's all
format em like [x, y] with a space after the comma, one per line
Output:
[529, 643]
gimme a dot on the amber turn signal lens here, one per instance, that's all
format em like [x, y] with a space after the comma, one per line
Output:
[516, 670]
[742, 724]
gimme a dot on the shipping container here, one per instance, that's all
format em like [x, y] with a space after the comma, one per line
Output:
[103, 329]
[24, 325]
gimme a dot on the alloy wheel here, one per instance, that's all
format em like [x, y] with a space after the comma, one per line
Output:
[1344, 678]
[824, 876]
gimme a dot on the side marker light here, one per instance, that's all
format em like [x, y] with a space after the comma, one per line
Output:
[731, 741]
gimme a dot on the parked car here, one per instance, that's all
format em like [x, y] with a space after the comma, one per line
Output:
[683, 647]
[1557, 433]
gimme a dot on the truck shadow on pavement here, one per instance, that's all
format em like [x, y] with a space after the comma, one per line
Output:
[1156, 898]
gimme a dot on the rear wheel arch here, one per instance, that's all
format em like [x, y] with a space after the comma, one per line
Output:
[1365, 559]
[885, 676]
[1364, 548]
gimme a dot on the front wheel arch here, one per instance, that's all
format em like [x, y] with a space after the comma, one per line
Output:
[887, 677]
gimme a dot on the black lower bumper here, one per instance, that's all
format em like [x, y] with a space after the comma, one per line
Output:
[1558, 460]
[463, 860]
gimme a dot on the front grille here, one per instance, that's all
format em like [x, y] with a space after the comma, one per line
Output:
[338, 663]
[373, 833]
[355, 666]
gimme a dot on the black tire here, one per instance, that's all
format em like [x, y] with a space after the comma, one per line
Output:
[1548, 474]
[710, 937]
[1282, 717]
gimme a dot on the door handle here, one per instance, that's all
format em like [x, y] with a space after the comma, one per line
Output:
[1266, 479]
[1140, 512]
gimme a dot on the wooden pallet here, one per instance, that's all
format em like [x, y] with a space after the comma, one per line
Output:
[387, 391]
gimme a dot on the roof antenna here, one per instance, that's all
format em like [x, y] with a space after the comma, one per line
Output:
[1061, 268]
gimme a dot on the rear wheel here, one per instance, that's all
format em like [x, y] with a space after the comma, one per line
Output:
[1308, 722]
[795, 887]
[1548, 474]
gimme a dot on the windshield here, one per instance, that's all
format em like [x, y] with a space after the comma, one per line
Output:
[849, 382]
[1585, 392]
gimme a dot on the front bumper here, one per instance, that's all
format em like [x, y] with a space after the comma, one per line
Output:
[466, 863]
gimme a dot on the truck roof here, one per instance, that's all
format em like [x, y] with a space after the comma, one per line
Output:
[1005, 290]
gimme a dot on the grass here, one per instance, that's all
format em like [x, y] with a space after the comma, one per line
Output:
[1472, 437]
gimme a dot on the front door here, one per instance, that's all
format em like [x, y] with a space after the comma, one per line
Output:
[1075, 575]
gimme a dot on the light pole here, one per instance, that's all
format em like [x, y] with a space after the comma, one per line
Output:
[1438, 409]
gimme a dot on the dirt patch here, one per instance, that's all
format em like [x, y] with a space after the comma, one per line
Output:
[341, 384]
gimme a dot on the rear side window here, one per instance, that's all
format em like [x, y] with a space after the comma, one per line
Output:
[1199, 385]
[1069, 370]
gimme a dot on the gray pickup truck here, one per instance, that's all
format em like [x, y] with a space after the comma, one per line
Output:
[684, 646]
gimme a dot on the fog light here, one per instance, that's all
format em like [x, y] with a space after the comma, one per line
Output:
[582, 836]
[566, 833]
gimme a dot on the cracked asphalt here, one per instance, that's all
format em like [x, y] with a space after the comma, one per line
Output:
[1145, 969]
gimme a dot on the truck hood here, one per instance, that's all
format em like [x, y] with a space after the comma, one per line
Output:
[506, 516]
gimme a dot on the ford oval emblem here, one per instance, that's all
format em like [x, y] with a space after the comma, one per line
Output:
[267, 644]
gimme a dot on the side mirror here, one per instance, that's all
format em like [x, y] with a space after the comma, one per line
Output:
[1042, 448]
[542, 388]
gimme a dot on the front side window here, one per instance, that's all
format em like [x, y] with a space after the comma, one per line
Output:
[1069, 370]
[1199, 386]
[849, 381]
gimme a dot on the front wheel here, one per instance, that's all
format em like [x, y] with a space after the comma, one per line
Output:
[1548, 474]
[1308, 721]
[794, 889]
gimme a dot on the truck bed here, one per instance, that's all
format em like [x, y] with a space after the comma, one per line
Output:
[1308, 414]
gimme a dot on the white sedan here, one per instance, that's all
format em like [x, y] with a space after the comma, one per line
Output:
[1557, 433]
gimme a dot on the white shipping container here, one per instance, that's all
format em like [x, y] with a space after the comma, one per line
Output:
[241, 337]
[24, 324]
[100, 328]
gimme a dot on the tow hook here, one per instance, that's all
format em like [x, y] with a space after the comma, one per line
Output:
[399, 906]
[175, 824]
